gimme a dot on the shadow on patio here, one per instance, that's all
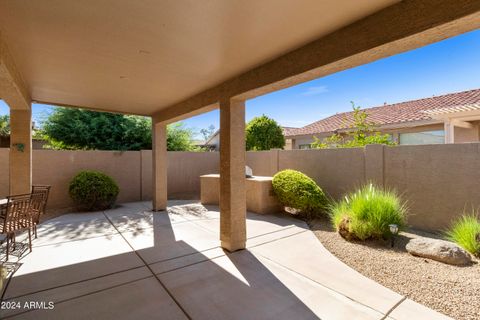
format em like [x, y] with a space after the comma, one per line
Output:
[130, 263]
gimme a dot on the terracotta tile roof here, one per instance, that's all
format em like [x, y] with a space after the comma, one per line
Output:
[288, 130]
[393, 113]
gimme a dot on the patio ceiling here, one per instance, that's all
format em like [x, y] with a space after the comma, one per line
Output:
[151, 58]
[141, 56]
[146, 57]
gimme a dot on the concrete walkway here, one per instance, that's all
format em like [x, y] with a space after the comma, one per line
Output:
[129, 263]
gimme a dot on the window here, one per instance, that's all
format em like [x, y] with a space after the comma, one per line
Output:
[305, 146]
[425, 137]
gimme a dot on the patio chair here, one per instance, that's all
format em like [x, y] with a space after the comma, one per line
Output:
[17, 219]
[39, 204]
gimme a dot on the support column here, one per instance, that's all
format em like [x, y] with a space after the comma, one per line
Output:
[233, 234]
[449, 131]
[159, 162]
[20, 151]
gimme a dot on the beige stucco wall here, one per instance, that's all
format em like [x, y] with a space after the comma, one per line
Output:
[335, 170]
[438, 181]
[57, 168]
[184, 171]
[263, 163]
[462, 135]
[288, 144]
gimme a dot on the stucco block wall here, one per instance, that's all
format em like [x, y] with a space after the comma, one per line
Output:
[263, 163]
[335, 170]
[56, 168]
[184, 171]
[439, 181]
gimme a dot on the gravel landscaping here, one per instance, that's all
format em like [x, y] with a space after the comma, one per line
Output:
[451, 290]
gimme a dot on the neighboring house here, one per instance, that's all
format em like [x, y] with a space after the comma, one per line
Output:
[450, 118]
[213, 143]
[288, 131]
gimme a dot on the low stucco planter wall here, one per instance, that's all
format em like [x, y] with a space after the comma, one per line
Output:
[260, 196]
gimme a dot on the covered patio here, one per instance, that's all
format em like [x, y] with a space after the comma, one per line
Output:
[170, 61]
[174, 60]
[130, 263]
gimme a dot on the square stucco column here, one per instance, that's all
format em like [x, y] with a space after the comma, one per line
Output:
[449, 131]
[159, 162]
[233, 234]
[20, 151]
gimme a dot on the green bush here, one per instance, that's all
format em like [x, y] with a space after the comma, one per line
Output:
[263, 133]
[296, 190]
[367, 212]
[93, 190]
[465, 232]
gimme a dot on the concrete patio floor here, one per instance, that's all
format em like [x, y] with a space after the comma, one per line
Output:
[130, 263]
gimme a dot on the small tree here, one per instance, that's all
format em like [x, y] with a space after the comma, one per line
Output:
[74, 129]
[263, 133]
[362, 133]
[77, 129]
[179, 138]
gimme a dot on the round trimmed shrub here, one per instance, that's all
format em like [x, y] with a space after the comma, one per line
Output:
[92, 190]
[296, 190]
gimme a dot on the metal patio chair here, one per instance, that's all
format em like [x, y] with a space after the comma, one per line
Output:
[17, 218]
[39, 204]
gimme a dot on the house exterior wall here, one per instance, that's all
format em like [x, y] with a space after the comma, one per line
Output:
[215, 142]
[288, 144]
[462, 135]
[298, 142]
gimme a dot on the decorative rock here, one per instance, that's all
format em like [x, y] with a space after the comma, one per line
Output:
[439, 250]
[344, 230]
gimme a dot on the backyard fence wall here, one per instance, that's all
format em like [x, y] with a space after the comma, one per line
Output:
[438, 181]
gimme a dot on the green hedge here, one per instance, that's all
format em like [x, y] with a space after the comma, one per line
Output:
[296, 190]
[465, 231]
[92, 190]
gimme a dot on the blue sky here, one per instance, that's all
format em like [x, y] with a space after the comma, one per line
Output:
[447, 66]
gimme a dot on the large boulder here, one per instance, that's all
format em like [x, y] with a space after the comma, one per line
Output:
[439, 250]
